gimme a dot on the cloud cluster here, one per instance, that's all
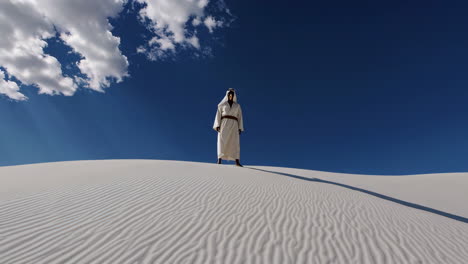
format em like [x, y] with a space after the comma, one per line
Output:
[10, 88]
[23, 30]
[26, 25]
[83, 25]
[175, 23]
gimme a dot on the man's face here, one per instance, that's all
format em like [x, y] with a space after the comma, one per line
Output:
[230, 96]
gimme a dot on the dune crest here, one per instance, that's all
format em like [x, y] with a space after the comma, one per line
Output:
[152, 211]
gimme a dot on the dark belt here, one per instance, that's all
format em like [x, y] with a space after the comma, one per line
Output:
[230, 117]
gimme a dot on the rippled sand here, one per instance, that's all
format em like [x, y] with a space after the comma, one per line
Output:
[151, 211]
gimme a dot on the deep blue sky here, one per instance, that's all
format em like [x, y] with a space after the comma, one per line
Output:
[341, 86]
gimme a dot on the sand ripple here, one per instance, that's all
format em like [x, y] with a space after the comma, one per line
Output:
[203, 213]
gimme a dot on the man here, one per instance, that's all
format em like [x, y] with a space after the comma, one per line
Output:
[229, 124]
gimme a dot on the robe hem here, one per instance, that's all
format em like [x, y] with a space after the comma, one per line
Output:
[227, 158]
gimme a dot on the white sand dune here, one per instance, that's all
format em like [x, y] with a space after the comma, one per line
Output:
[151, 211]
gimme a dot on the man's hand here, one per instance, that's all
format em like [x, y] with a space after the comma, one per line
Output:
[217, 129]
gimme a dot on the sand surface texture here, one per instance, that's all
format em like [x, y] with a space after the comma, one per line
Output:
[151, 211]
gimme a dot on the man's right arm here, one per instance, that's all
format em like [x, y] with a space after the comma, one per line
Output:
[217, 121]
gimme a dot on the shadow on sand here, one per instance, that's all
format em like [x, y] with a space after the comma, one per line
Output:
[388, 198]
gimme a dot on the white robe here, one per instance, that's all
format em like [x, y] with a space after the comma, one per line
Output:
[228, 137]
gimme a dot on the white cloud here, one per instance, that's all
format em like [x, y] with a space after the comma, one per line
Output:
[83, 25]
[10, 88]
[141, 49]
[165, 43]
[21, 48]
[170, 16]
[168, 20]
[194, 42]
[196, 21]
[211, 23]
[25, 25]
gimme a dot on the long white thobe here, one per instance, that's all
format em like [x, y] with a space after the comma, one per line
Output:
[228, 136]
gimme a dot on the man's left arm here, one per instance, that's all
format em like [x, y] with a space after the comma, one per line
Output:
[241, 120]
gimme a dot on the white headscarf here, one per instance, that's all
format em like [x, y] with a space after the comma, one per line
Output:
[226, 98]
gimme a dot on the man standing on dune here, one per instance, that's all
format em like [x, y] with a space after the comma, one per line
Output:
[228, 122]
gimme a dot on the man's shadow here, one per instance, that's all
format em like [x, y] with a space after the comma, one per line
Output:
[388, 198]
